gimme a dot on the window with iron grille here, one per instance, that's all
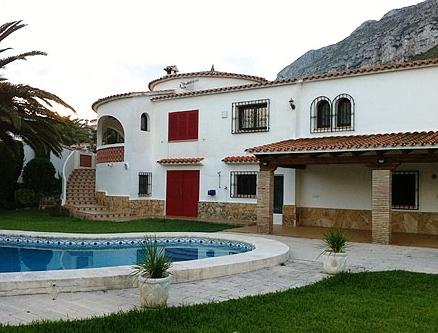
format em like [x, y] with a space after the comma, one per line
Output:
[343, 113]
[251, 116]
[405, 190]
[144, 184]
[243, 184]
[336, 116]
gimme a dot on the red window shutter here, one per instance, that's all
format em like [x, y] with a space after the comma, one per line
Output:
[173, 126]
[183, 125]
[192, 124]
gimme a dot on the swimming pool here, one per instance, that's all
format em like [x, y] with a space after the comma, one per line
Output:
[260, 253]
[22, 254]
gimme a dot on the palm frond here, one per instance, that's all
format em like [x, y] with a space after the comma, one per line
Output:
[22, 56]
[10, 27]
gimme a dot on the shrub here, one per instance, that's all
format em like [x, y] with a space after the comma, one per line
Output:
[335, 241]
[25, 197]
[39, 175]
[155, 264]
[11, 165]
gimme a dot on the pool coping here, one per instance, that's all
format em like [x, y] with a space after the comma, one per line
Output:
[267, 253]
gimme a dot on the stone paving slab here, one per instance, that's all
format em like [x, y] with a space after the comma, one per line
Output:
[25, 309]
[302, 269]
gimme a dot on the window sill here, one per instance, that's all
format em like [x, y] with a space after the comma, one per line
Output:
[183, 140]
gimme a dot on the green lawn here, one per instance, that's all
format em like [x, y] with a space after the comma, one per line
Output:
[34, 220]
[363, 302]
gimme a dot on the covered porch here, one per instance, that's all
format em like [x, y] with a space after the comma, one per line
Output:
[381, 154]
[353, 235]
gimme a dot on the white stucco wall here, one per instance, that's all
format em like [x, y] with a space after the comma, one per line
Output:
[349, 186]
[401, 101]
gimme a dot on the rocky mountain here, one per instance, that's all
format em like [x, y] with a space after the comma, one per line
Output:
[400, 35]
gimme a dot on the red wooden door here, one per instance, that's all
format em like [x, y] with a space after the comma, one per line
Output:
[182, 193]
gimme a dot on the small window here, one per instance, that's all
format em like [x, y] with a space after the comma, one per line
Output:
[343, 112]
[323, 115]
[251, 116]
[183, 125]
[144, 126]
[243, 184]
[144, 184]
[405, 190]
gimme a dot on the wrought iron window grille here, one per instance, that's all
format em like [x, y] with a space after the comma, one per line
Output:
[243, 184]
[250, 116]
[144, 184]
[405, 190]
[332, 116]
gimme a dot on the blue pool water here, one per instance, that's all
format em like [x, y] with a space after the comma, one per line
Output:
[20, 254]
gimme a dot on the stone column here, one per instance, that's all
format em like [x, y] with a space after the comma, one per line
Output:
[265, 201]
[381, 206]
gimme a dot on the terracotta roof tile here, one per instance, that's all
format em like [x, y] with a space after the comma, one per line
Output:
[316, 77]
[181, 160]
[351, 142]
[153, 83]
[240, 159]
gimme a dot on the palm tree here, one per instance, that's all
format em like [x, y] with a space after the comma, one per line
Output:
[26, 112]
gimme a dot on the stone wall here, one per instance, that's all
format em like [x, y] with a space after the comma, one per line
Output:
[289, 215]
[143, 208]
[415, 222]
[402, 221]
[232, 213]
[333, 217]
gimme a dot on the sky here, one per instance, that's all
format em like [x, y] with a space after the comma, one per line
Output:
[98, 48]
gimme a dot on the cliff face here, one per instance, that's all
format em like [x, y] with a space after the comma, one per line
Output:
[400, 35]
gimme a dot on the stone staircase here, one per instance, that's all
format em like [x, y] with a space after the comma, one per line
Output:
[81, 199]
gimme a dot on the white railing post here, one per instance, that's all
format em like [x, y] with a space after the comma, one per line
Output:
[67, 169]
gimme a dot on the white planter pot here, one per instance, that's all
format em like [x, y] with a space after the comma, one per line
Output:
[153, 292]
[334, 262]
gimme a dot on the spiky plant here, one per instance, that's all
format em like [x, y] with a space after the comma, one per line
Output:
[26, 112]
[335, 241]
[155, 264]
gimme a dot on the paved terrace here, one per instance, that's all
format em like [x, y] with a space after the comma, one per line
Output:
[302, 269]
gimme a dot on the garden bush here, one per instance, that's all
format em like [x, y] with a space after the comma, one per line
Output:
[25, 197]
[39, 175]
[11, 165]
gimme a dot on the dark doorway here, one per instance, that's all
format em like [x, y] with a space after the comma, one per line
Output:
[278, 194]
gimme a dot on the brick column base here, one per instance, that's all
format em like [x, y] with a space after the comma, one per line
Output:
[265, 201]
[381, 206]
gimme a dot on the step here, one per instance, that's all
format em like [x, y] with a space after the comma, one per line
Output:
[80, 202]
[86, 207]
[104, 215]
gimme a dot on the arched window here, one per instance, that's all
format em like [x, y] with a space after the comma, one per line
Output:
[321, 115]
[144, 126]
[344, 110]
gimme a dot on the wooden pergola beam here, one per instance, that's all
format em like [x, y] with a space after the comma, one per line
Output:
[378, 158]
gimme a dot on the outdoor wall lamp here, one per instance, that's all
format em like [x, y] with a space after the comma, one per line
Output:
[292, 104]
[265, 163]
[380, 160]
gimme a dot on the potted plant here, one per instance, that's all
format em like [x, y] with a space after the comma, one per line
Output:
[153, 276]
[334, 256]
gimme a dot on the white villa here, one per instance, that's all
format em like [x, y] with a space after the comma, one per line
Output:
[357, 149]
